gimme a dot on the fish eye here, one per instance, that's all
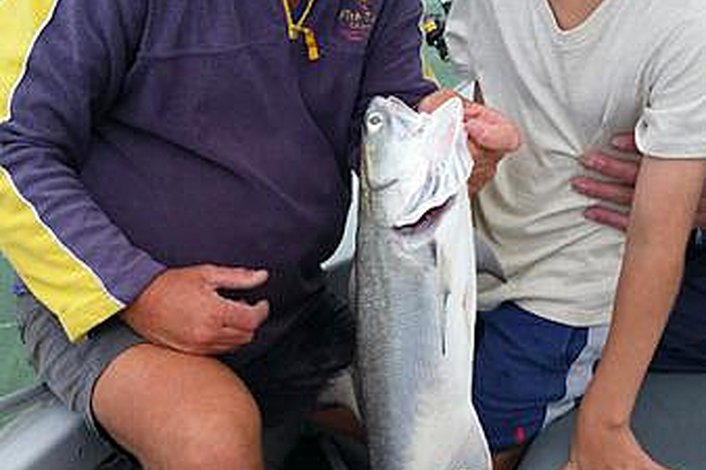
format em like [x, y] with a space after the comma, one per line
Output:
[375, 121]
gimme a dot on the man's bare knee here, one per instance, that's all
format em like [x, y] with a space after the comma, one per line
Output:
[176, 411]
[226, 440]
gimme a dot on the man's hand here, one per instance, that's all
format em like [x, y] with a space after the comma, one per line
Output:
[620, 190]
[181, 309]
[490, 135]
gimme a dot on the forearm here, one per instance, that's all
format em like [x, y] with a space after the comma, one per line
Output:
[65, 248]
[67, 252]
[665, 201]
[648, 285]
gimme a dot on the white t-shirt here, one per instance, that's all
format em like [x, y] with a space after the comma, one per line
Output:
[632, 65]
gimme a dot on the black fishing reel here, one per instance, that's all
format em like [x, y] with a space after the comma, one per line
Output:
[433, 26]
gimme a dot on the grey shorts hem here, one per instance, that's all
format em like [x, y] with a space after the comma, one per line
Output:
[94, 372]
[71, 370]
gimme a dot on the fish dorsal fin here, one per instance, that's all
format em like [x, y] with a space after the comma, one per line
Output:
[447, 164]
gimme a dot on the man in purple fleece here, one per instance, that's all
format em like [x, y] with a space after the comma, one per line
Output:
[172, 175]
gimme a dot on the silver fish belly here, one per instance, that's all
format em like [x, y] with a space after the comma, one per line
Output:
[414, 291]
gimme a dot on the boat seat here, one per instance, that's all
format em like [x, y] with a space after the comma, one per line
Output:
[669, 421]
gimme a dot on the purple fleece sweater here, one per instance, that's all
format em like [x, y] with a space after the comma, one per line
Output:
[148, 134]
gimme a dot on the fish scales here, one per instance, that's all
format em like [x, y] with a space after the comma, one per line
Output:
[414, 291]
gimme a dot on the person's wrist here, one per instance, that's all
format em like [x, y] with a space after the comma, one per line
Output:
[131, 313]
[599, 407]
[128, 314]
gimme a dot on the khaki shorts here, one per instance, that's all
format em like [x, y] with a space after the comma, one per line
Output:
[285, 380]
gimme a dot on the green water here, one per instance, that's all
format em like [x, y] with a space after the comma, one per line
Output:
[15, 371]
[442, 70]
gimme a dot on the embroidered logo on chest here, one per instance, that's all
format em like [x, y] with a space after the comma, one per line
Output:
[356, 19]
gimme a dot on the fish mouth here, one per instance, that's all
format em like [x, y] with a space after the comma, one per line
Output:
[427, 221]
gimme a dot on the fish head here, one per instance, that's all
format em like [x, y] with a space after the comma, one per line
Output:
[390, 130]
[413, 163]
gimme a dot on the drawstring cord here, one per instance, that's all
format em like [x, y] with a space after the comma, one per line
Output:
[295, 29]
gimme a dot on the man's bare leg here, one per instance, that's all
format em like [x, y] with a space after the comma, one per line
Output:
[508, 458]
[178, 412]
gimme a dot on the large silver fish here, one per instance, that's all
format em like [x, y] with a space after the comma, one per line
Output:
[414, 291]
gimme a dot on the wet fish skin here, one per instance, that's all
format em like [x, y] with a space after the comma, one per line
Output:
[414, 291]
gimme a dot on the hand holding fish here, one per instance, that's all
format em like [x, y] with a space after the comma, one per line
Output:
[181, 309]
[623, 173]
[490, 135]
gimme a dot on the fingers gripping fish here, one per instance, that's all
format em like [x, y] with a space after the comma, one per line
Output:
[414, 291]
